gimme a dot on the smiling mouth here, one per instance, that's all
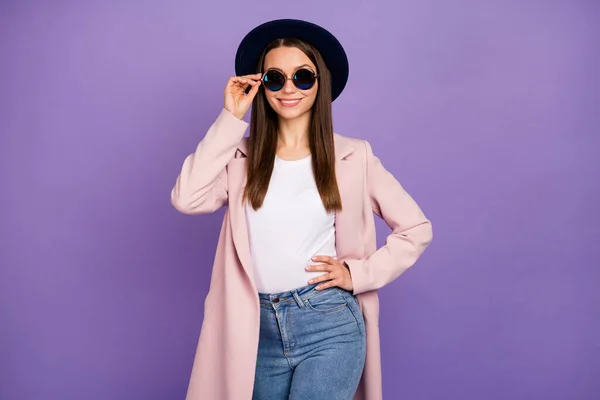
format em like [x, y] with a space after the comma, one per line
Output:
[289, 102]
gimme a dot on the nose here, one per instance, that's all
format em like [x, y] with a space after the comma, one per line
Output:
[289, 87]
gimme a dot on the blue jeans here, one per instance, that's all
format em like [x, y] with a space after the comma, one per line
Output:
[312, 345]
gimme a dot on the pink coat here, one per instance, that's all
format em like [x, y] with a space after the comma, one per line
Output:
[214, 176]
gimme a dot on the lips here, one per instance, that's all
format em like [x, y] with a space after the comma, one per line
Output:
[289, 102]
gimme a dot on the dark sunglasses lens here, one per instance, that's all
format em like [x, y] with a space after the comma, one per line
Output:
[274, 80]
[304, 79]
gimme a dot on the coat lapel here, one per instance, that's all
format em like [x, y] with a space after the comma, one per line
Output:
[236, 176]
[347, 221]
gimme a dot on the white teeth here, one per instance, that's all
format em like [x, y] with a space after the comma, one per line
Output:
[290, 101]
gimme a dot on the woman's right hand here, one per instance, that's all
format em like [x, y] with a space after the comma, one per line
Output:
[237, 102]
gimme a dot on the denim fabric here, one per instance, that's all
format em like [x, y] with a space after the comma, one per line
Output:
[312, 345]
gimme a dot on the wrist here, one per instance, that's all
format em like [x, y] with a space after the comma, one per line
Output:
[345, 264]
[235, 114]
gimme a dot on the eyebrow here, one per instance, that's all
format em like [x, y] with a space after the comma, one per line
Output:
[295, 69]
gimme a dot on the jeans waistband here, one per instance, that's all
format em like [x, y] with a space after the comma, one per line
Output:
[299, 295]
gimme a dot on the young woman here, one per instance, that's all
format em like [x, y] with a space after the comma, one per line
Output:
[292, 310]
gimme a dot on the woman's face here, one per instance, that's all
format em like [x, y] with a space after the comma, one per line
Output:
[290, 102]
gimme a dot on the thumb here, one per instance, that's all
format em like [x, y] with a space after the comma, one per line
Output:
[254, 90]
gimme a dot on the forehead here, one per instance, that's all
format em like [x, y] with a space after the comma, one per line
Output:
[287, 59]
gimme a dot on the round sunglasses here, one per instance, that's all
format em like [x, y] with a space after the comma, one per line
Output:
[274, 80]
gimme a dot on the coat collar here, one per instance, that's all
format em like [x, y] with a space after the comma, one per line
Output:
[343, 147]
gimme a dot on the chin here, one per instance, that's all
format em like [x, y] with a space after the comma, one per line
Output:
[290, 114]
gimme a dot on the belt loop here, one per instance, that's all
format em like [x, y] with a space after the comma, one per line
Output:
[297, 298]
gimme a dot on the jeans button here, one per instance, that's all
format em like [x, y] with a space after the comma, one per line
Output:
[276, 300]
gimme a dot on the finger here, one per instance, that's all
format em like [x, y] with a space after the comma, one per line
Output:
[254, 90]
[236, 78]
[328, 284]
[240, 85]
[235, 81]
[322, 278]
[241, 81]
[254, 77]
[250, 79]
[246, 83]
[319, 267]
[325, 259]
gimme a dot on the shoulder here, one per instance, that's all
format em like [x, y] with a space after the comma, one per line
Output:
[346, 145]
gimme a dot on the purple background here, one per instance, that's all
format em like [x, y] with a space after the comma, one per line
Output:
[486, 111]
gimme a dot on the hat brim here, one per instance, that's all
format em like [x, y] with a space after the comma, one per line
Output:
[253, 44]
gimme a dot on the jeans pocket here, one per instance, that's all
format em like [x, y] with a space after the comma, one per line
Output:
[328, 301]
[354, 308]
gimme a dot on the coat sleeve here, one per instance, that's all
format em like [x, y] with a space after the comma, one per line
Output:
[411, 230]
[201, 186]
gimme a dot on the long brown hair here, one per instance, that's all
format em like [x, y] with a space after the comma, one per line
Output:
[262, 142]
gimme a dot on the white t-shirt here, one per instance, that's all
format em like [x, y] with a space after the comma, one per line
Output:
[289, 229]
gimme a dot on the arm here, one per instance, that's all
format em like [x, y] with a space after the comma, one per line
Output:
[411, 231]
[201, 186]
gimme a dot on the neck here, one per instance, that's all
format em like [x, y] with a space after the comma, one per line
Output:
[293, 133]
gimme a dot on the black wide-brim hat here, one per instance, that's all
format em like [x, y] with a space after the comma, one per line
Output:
[331, 50]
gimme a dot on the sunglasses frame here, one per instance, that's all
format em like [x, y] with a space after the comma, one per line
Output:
[315, 77]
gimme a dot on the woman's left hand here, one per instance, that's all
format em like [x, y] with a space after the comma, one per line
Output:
[337, 274]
